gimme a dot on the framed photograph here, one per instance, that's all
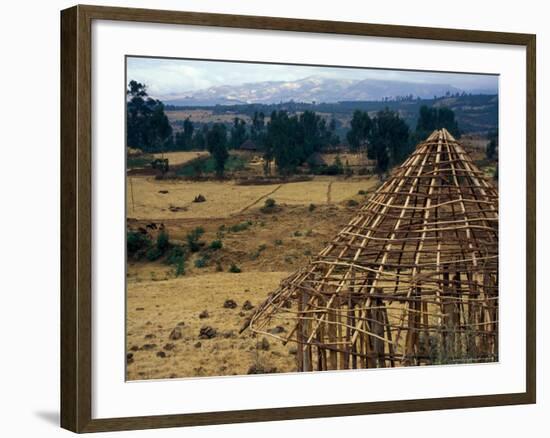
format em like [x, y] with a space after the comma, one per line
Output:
[268, 218]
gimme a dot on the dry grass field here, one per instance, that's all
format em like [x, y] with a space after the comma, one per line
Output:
[156, 308]
[166, 313]
[181, 157]
[173, 199]
[351, 158]
[203, 116]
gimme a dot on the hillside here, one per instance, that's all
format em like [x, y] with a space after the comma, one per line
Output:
[474, 113]
[311, 89]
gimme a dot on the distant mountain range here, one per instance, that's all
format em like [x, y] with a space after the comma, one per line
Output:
[312, 89]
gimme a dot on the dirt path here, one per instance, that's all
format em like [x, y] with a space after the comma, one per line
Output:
[329, 191]
[260, 199]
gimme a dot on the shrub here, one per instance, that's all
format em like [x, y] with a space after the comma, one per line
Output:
[176, 254]
[240, 227]
[312, 207]
[362, 192]
[352, 203]
[153, 254]
[201, 263]
[216, 244]
[297, 233]
[193, 239]
[163, 242]
[270, 205]
[278, 242]
[234, 268]
[332, 169]
[257, 253]
[136, 241]
[180, 267]
[199, 198]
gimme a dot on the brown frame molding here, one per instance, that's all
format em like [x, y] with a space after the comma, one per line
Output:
[76, 165]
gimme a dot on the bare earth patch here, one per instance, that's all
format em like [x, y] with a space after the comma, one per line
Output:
[156, 308]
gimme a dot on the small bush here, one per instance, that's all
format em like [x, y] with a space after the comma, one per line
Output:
[176, 254]
[257, 253]
[153, 254]
[180, 267]
[270, 205]
[199, 198]
[278, 242]
[163, 242]
[240, 227]
[297, 233]
[309, 233]
[332, 169]
[362, 192]
[216, 244]
[136, 241]
[352, 203]
[193, 239]
[312, 207]
[201, 263]
[234, 268]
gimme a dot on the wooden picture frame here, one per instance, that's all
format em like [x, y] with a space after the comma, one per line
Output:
[76, 217]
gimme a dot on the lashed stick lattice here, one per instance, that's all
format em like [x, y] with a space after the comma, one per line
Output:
[411, 280]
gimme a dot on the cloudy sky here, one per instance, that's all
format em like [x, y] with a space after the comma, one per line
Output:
[171, 77]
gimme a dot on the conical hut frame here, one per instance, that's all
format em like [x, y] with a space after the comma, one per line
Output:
[411, 280]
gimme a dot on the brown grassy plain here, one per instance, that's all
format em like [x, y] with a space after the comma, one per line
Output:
[267, 250]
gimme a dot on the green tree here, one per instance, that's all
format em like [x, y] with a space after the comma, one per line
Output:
[281, 142]
[257, 129]
[361, 125]
[184, 138]
[333, 138]
[199, 139]
[430, 119]
[388, 140]
[147, 126]
[238, 133]
[216, 140]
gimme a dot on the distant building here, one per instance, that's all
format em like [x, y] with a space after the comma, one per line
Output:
[249, 146]
[316, 160]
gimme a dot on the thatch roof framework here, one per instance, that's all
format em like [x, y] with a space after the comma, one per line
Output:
[411, 280]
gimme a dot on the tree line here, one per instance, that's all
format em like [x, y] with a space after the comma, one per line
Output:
[289, 140]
